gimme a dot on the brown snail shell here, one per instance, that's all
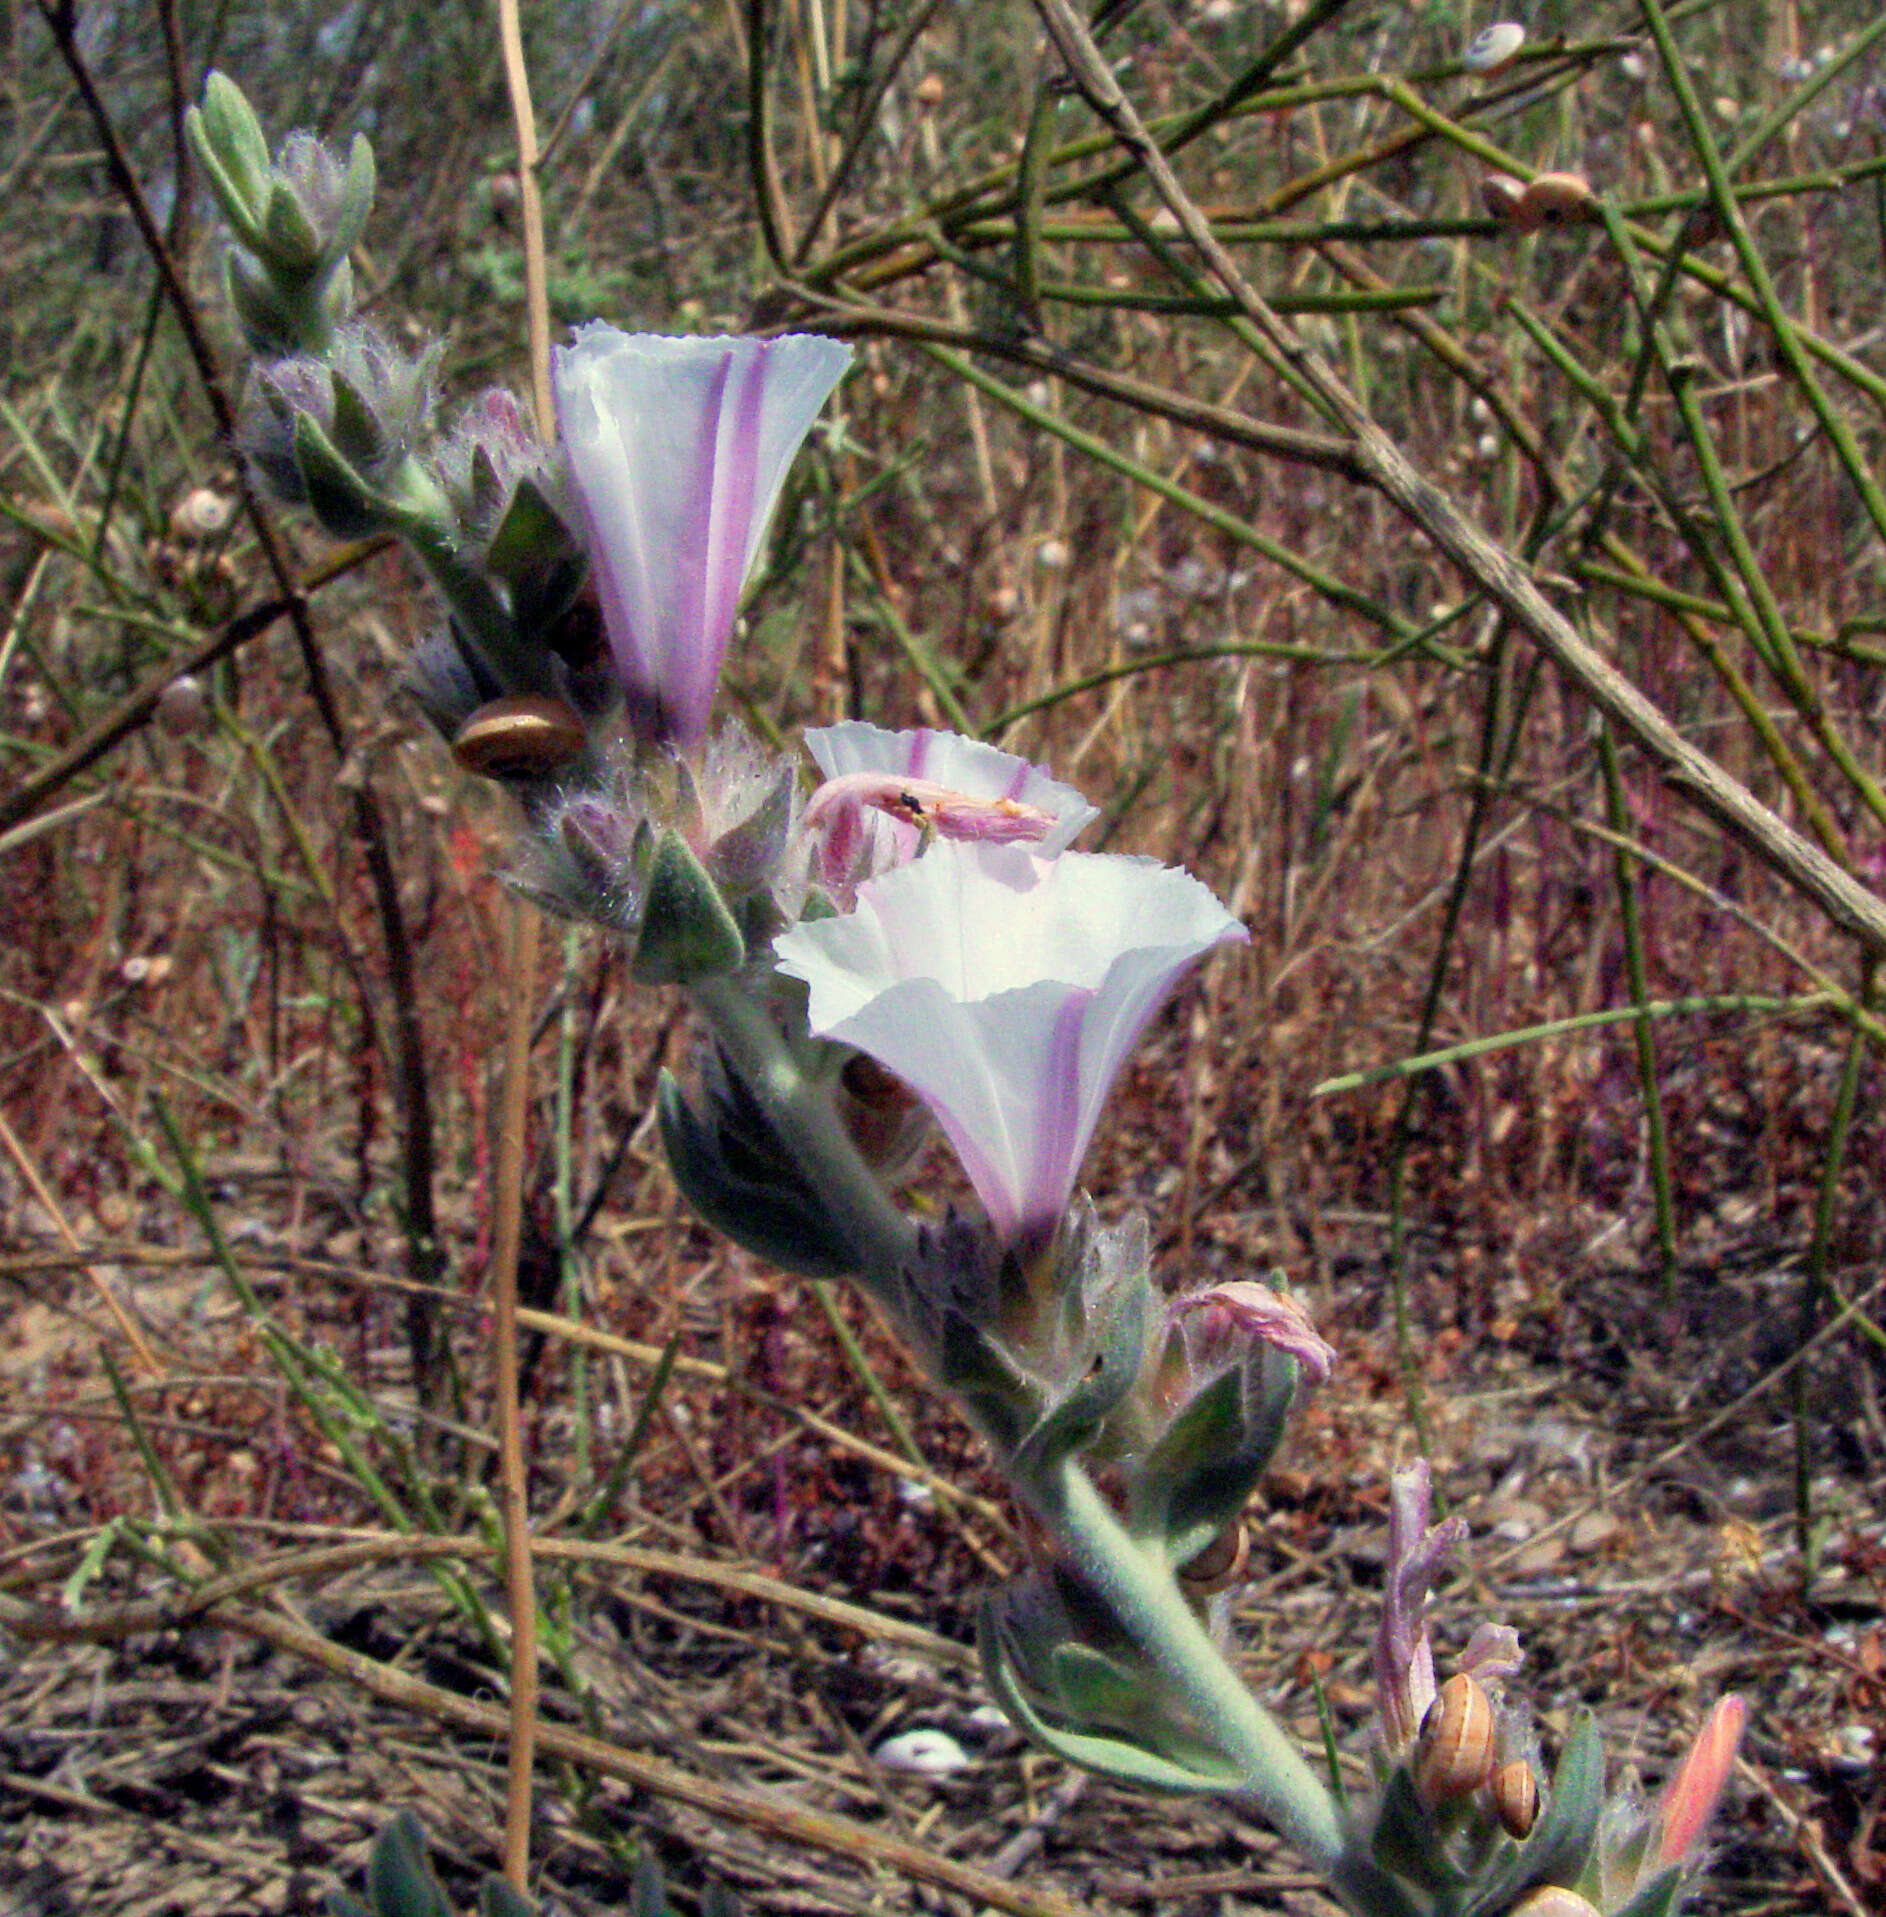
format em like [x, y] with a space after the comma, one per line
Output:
[1220, 1565]
[1515, 1794]
[1555, 199]
[1493, 49]
[524, 736]
[1454, 1749]
[183, 705]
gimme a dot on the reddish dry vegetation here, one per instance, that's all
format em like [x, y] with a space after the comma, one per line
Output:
[198, 1033]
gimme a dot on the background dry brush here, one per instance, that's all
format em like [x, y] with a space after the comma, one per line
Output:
[1079, 501]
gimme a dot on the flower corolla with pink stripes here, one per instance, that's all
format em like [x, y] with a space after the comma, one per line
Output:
[677, 450]
[1006, 990]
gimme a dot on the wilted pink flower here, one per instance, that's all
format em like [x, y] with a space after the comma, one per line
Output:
[1006, 990]
[677, 451]
[961, 788]
[1404, 1659]
[1222, 1323]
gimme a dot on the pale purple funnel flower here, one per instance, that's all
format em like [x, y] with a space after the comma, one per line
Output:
[677, 451]
[1006, 990]
[860, 828]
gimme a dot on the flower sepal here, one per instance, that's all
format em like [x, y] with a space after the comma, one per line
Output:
[1201, 1471]
[1211, 1410]
[1105, 1370]
[687, 931]
[1003, 1402]
[532, 548]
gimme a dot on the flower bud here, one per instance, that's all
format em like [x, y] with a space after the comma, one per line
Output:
[1454, 1750]
[295, 220]
[336, 434]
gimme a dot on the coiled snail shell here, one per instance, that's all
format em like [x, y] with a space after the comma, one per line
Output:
[1515, 1794]
[1493, 49]
[1220, 1565]
[1454, 1749]
[520, 737]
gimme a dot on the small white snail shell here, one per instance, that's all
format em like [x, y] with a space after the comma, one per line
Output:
[922, 1754]
[1493, 49]
[1454, 1749]
[520, 737]
[183, 706]
[202, 513]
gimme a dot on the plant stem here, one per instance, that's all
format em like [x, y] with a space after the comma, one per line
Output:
[1140, 1592]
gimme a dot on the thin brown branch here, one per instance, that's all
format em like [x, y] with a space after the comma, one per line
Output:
[1489, 566]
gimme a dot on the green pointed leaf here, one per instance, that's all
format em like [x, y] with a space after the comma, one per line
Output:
[746, 857]
[1074, 1421]
[345, 504]
[1113, 1757]
[530, 537]
[1093, 1686]
[400, 1882]
[1000, 1397]
[356, 431]
[687, 930]
[272, 322]
[1404, 1842]
[228, 139]
[356, 202]
[341, 1904]
[1206, 1464]
[289, 242]
[1562, 1840]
